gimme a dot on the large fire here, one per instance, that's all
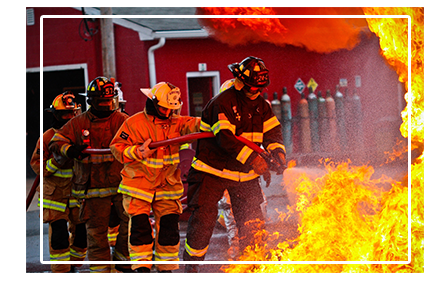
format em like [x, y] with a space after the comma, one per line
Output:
[345, 214]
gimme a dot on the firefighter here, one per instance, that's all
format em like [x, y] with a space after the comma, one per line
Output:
[151, 179]
[60, 209]
[96, 176]
[224, 163]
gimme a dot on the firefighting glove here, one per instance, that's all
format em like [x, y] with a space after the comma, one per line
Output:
[279, 159]
[267, 178]
[60, 159]
[144, 151]
[75, 151]
[259, 165]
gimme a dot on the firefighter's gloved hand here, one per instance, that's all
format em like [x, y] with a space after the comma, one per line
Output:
[267, 178]
[259, 165]
[60, 159]
[75, 151]
[144, 151]
[280, 158]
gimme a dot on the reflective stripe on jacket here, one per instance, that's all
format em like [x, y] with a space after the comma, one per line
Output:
[96, 175]
[56, 178]
[158, 175]
[231, 114]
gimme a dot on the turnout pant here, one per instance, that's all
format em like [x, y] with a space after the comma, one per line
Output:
[204, 191]
[96, 214]
[67, 236]
[142, 240]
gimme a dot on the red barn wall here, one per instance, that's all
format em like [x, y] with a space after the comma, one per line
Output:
[63, 46]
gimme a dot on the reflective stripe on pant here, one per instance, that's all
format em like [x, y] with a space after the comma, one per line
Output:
[66, 242]
[141, 237]
[204, 192]
[96, 214]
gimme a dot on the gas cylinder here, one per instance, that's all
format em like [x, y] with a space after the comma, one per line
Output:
[276, 106]
[286, 120]
[340, 119]
[305, 136]
[332, 127]
[358, 124]
[322, 124]
[312, 101]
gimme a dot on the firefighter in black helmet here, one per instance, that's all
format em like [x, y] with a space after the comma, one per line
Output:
[96, 177]
[224, 163]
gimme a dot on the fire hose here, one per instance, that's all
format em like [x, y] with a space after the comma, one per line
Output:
[181, 139]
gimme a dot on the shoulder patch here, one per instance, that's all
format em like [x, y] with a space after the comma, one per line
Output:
[124, 135]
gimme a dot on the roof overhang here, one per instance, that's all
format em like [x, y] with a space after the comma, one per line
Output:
[145, 33]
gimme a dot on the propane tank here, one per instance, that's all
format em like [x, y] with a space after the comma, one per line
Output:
[305, 137]
[332, 127]
[276, 106]
[313, 114]
[286, 120]
[340, 119]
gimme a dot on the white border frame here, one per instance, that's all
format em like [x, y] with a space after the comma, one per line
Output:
[409, 105]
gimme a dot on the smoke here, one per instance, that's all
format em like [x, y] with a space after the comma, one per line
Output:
[322, 35]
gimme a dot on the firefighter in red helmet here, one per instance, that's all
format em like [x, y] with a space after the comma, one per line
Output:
[224, 163]
[151, 179]
[60, 209]
[96, 176]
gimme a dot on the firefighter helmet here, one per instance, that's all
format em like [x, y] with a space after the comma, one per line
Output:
[164, 95]
[64, 107]
[252, 71]
[101, 94]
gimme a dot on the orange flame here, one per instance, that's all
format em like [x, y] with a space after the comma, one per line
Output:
[345, 215]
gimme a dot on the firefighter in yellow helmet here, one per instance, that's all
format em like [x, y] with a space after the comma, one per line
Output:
[60, 209]
[96, 176]
[151, 177]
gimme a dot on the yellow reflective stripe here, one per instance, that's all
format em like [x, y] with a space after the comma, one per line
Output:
[130, 152]
[184, 146]
[204, 127]
[50, 166]
[64, 173]
[244, 154]
[253, 136]
[275, 145]
[74, 203]
[141, 256]
[77, 254]
[225, 173]
[54, 205]
[136, 192]
[161, 256]
[171, 159]
[223, 125]
[270, 124]
[64, 148]
[65, 256]
[95, 192]
[59, 137]
[162, 194]
[195, 252]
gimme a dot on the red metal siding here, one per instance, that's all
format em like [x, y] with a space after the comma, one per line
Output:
[63, 46]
